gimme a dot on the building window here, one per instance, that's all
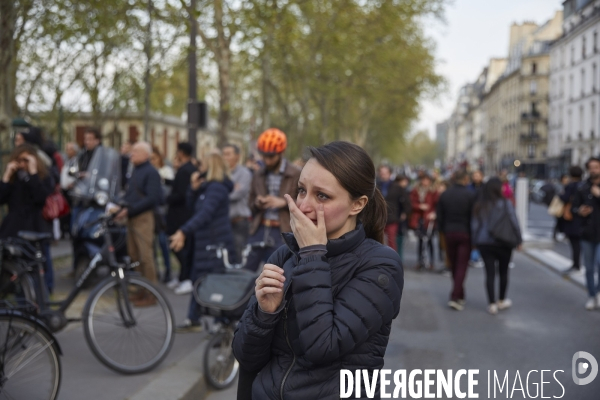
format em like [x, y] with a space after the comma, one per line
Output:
[572, 54]
[571, 87]
[531, 151]
[582, 82]
[533, 68]
[561, 86]
[592, 120]
[581, 122]
[595, 42]
[531, 128]
[594, 77]
[583, 47]
[533, 87]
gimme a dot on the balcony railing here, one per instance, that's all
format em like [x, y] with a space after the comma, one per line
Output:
[531, 116]
[530, 137]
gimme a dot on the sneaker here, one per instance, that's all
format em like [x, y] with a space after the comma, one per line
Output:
[184, 287]
[455, 305]
[173, 283]
[504, 304]
[493, 309]
[573, 271]
[462, 302]
[598, 299]
[479, 264]
[189, 327]
[590, 304]
[511, 265]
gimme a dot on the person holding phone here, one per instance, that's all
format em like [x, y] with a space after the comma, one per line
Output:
[326, 299]
[586, 205]
[25, 185]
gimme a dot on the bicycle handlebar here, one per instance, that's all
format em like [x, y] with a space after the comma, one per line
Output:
[223, 253]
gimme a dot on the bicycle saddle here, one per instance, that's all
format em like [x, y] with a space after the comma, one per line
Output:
[34, 236]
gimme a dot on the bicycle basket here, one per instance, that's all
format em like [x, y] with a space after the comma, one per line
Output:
[225, 294]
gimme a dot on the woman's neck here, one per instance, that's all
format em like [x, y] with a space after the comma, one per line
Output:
[349, 226]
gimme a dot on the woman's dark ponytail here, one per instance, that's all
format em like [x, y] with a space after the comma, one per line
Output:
[354, 169]
[374, 216]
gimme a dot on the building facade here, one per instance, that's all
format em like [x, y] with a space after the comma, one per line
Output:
[500, 120]
[574, 125]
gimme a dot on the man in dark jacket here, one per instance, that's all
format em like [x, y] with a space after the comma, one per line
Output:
[586, 204]
[178, 214]
[391, 193]
[143, 195]
[92, 138]
[454, 210]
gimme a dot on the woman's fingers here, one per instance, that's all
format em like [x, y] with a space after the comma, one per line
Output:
[272, 275]
[267, 290]
[268, 282]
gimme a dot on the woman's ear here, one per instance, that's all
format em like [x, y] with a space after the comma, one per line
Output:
[358, 205]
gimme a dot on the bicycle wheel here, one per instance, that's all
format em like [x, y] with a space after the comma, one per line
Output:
[127, 338]
[29, 363]
[220, 365]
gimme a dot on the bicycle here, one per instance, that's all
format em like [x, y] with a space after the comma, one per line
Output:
[127, 338]
[225, 297]
[30, 365]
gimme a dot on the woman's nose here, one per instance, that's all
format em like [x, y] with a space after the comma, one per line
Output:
[305, 205]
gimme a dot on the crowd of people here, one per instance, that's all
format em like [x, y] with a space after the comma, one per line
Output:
[184, 205]
[577, 213]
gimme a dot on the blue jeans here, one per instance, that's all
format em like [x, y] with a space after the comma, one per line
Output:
[475, 255]
[591, 256]
[48, 268]
[164, 249]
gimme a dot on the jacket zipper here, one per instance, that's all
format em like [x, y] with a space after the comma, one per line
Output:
[290, 346]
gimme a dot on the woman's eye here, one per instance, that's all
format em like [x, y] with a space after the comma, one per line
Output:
[301, 191]
[322, 196]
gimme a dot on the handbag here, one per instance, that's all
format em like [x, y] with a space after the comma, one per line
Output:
[567, 214]
[556, 207]
[56, 206]
[504, 231]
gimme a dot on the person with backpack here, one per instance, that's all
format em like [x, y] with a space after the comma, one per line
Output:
[495, 231]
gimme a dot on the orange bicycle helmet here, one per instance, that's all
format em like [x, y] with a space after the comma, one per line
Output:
[272, 141]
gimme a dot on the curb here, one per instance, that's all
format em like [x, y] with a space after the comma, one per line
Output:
[556, 263]
[182, 381]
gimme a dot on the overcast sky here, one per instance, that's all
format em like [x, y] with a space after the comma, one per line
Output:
[476, 30]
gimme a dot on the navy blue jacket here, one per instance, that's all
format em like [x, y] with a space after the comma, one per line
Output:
[590, 225]
[209, 224]
[338, 313]
[144, 192]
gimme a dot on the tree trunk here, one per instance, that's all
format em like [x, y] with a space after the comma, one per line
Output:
[147, 83]
[8, 16]
[223, 58]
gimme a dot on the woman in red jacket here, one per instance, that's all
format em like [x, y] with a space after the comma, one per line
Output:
[423, 200]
